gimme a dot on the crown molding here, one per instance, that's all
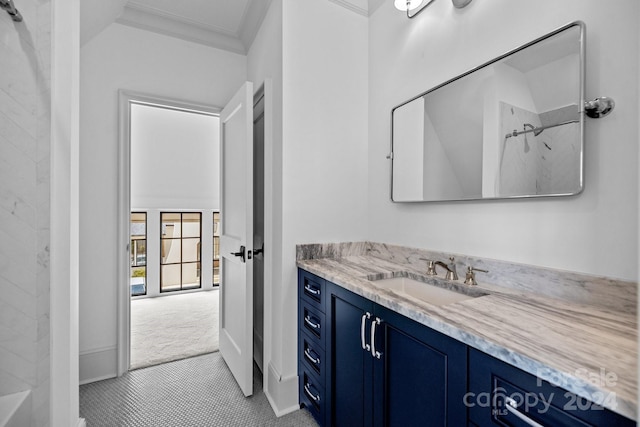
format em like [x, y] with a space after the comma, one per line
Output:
[360, 7]
[374, 5]
[252, 20]
[157, 21]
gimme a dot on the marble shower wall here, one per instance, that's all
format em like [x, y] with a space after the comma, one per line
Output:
[548, 163]
[25, 60]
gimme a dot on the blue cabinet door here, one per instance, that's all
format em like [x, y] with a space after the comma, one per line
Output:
[413, 375]
[349, 374]
[420, 375]
[492, 383]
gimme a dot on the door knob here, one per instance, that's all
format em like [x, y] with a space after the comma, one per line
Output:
[240, 253]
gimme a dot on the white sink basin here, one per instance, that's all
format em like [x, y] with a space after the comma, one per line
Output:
[432, 294]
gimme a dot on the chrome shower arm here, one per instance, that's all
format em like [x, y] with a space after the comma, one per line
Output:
[539, 129]
[11, 10]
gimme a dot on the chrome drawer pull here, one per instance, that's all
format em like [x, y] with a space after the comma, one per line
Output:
[365, 346]
[311, 290]
[374, 352]
[314, 360]
[308, 321]
[315, 398]
[512, 406]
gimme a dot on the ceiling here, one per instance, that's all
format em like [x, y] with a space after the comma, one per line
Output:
[226, 24]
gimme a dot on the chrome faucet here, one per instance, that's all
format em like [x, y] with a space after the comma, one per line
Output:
[471, 276]
[451, 269]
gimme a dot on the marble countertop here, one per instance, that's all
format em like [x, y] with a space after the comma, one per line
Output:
[590, 351]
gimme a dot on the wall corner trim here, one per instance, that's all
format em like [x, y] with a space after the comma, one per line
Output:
[282, 393]
[98, 364]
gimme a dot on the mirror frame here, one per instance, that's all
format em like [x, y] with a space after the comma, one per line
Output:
[582, 50]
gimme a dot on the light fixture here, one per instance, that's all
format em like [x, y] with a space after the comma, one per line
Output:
[460, 3]
[413, 7]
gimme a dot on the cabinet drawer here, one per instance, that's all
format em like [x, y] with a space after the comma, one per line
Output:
[492, 383]
[311, 289]
[312, 355]
[312, 321]
[312, 395]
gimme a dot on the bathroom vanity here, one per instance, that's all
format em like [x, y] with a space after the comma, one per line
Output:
[373, 351]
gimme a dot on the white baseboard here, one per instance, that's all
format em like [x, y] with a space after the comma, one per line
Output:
[282, 393]
[99, 364]
[82, 422]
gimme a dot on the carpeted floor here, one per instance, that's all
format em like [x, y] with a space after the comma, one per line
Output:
[195, 392]
[173, 327]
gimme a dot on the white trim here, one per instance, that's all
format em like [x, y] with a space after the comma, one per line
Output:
[97, 364]
[252, 21]
[82, 422]
[150, 19]
[282, 392]
[267, 333]
[124, 208]
[347, 4]
[65, 212]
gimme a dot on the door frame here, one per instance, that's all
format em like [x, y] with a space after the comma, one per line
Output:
[266, 89]
[125, 99]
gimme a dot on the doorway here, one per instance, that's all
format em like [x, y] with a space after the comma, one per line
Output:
[169, 158]
[146, 254]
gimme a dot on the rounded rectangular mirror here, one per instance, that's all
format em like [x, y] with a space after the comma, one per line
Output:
[510, 128]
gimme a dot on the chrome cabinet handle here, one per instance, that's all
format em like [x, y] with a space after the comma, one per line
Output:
[314, 360]
[315, 398]
[311, 290]
[308, 321]
[375, 353]
[512, 406]
[365, 346]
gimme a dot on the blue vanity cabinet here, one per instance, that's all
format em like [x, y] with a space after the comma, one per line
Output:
[420, 376]
[387, 370]
[350, 370]
[312, 363]
[534, 402]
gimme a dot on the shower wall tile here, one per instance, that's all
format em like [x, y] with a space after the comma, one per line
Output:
[41, 393]
[25, 125]
[18, 298]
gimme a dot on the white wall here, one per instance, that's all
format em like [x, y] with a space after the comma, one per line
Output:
[595, 232]
[175, 160]
[316, 173]
[324, 140]
[264, 66]
[126, 58]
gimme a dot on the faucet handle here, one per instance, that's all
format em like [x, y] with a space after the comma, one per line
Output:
[431, 267]
[470, 278]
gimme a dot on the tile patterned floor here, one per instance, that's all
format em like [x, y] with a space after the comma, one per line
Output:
[198, 391]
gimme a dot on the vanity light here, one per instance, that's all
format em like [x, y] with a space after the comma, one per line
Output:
[418, 5]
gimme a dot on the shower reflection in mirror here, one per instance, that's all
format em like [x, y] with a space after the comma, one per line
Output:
[512, 127]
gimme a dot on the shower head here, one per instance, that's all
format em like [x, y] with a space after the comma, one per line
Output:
[11, 10]
[536, 131]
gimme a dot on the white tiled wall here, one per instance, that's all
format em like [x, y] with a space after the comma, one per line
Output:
[24, 204]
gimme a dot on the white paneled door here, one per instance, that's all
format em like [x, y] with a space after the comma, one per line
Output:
[236, 237]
